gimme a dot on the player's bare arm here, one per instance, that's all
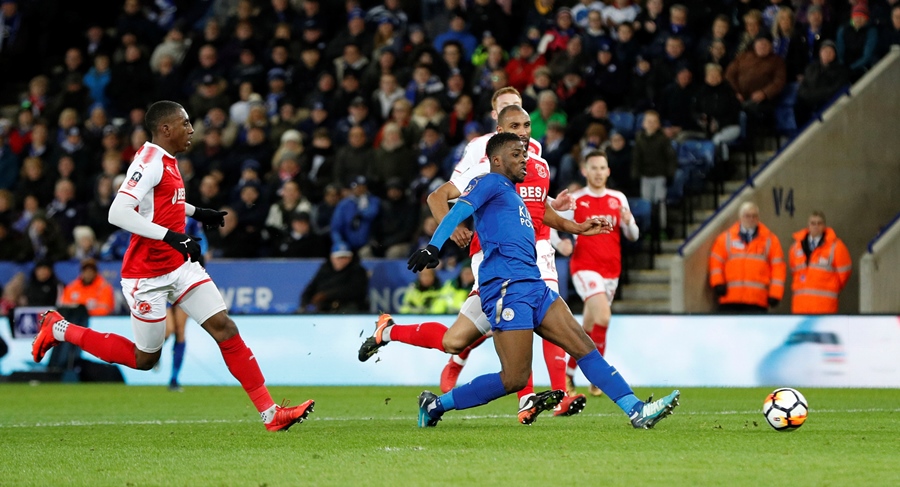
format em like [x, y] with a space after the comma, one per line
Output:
[439, 204]
[591, 226]
[563, 201]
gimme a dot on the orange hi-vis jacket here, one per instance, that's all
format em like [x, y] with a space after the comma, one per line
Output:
[753, 272]
[98, 297]
[818, 279]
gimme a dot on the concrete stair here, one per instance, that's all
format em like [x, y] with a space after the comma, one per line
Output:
[647, 290]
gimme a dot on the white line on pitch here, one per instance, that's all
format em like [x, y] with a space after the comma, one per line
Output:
[164, 422]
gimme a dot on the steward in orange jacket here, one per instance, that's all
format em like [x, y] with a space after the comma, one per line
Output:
[746, 269]
[821, 265]
[91, 290]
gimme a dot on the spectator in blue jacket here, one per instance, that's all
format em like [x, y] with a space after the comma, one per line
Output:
[354, 217]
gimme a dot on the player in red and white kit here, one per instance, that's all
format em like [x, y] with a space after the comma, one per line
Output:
[471, 326]
[160, 268]
[596, 261]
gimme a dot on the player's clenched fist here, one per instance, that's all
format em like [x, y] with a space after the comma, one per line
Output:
[595, 226]
[426, 258]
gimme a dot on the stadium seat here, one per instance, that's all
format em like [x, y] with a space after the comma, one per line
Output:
[623, 122]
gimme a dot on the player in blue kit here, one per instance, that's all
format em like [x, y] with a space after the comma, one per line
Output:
[516, 300]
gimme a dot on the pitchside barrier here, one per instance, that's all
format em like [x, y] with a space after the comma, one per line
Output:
[663, 350]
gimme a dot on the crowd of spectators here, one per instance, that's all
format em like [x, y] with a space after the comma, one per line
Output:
[321, 123]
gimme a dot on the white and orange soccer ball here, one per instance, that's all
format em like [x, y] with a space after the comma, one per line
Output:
[785, 409]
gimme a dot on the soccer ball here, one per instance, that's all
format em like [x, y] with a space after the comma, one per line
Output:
[785, 409]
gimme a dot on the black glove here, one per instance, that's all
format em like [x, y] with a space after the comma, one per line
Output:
[720, 290]
[773, 302]
[209, 218]
[186, 245]
[426, 258]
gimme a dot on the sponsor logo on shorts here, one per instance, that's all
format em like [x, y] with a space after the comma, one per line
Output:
[143, 307]
[508, 314]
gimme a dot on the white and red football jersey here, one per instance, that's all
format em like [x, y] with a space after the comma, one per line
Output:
[533, 191]
[474, 161]
[600, 253]
[154, 181]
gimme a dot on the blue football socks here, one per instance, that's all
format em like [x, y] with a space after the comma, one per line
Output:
[177, 360]
[482, 390]
[609, 380]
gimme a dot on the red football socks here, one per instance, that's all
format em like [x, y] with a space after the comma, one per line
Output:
[108, 347]
[426, 335]
[555, 357]
[598, 335]
[243, 366]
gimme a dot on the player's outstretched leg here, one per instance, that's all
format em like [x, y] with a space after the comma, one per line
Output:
[429, 334]
[654, 411]
[109, 347]
[285, 416]
[534, 404]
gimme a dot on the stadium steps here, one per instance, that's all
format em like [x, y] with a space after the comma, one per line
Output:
[647, 291]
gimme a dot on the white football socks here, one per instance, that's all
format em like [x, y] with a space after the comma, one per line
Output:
[459, 360]
[386, 333]
[59, 330]
[268, 415]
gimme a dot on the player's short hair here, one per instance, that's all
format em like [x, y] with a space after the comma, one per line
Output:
[496, 142]
[507, 111]
[159, 113]
[593, 153]
[506, 90]
[819, 214]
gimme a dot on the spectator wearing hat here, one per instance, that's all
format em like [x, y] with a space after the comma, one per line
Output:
[319, 118]
[814, 31]
[64, 210]
[539, 15]
[354, 158]
[433, 147]
[605, 77]
[354, 217]
[458, 33]
[391, 9]
[251, 173]
[757, 77]
[393, 159]
[520, 69]
[91, 290]
[357, 114]
[396, 222]
[299, 241]
[210, 94]
[131, 82]
[341, 285]
[43, 287]
[822, 79]
[427, 180]
[255, 146]
[277, 92]
[857, 42]
[556, 38]
[354, 31]
[386, 35]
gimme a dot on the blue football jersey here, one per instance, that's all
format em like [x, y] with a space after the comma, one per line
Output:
[505, 229]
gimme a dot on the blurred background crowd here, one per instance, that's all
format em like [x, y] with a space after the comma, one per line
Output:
[321, 123]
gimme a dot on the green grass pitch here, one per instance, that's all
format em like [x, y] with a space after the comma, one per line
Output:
[116, 435]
